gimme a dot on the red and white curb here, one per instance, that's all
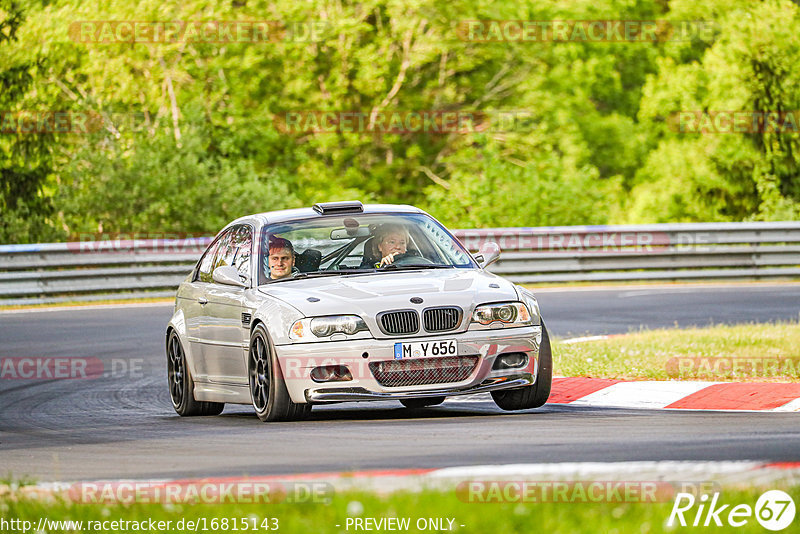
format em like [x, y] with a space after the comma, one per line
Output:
[670, 394]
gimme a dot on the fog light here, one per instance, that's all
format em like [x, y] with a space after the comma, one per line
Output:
[512, 360]
[331, 373]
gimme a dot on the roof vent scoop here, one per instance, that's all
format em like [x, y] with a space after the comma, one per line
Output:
[347, 206]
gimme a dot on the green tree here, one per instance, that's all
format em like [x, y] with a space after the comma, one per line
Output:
[747, 67]
[26, 160]
[188, 137]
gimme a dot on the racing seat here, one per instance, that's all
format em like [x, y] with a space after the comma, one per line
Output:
[371, 254]
[309, 260]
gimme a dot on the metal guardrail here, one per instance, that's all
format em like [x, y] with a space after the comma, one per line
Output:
[94, 270]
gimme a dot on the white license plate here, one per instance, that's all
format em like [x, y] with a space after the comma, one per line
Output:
[425, 349]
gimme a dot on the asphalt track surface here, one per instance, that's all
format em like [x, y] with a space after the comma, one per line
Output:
[123, 426]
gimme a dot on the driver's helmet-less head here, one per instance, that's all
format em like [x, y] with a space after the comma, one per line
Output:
[386, 232]
[391, 239]
[276, 245]
[279, 243]
[380, 235]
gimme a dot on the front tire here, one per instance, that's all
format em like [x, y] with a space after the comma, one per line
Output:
[535, 395]
[268, 391]
[422, 403]
[181, 385]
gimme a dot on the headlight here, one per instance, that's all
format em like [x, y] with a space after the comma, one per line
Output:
[312, 328]
[505, 313]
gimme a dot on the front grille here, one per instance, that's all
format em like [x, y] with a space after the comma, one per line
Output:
[399, 373]
[441, 319]
[399, 322]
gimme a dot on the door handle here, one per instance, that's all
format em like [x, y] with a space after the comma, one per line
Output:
[203, 301]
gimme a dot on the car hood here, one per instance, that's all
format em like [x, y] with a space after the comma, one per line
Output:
[369, 294]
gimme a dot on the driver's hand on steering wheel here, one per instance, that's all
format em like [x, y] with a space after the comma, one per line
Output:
[388, 259]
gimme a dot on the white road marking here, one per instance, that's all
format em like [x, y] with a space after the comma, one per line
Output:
[643, 470]
[660, 287]
[79, 307]
[791, 406]
[750, 473]
[476, 397]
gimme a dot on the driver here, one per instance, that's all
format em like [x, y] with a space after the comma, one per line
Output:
[392, 241]
[280, 261]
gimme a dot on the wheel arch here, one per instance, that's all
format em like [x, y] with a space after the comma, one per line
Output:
[257, 321]
[177, 324]
[277, 318]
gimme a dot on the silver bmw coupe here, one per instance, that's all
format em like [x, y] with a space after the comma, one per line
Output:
[350, 302]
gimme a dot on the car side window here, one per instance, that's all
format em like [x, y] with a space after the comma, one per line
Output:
[235, 249]
[241, 248]
[207, 262]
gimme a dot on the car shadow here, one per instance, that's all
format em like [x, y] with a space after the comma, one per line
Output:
[332, 413]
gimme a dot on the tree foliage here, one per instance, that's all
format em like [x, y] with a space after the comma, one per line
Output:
[188, 138]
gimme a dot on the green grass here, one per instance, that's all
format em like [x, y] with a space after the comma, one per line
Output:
[563, 517]
[719, 353]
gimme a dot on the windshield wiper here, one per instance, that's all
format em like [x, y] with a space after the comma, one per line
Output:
[314, 274]
[393, 267]
[346, 272]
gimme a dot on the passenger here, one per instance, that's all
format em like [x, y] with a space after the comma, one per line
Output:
[280, 261]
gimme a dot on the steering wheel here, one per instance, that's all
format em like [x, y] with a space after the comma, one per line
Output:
[410, 259]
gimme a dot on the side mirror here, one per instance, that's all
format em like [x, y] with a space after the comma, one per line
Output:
[488, 254]
[227, 275]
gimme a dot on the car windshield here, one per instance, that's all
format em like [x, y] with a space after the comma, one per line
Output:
[356, 243]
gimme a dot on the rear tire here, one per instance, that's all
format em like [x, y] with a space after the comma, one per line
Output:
[535, 395]
[422, 403]
[268, 391]
[181, 385]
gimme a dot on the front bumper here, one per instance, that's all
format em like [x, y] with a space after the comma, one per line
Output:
[297, 361]
[323, 395]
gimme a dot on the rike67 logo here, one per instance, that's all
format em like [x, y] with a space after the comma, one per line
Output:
[774, 510]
